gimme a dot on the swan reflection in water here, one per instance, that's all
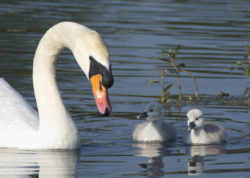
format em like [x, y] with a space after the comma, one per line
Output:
[197, 154]
[49, 164]
[155, 152]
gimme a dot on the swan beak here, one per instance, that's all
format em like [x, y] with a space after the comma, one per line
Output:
[101, 95]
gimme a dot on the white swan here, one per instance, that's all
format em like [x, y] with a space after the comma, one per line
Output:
[154, 129]
[202, 132]
[52, 127]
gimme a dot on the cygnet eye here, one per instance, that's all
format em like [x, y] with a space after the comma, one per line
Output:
[151, 110]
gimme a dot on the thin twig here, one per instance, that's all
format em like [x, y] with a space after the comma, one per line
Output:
[178, 77]
[195, 83]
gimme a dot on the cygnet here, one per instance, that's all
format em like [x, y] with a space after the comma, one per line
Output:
[202, 132]
[154, 129]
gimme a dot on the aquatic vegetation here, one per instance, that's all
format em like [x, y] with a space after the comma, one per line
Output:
[246, 71]
[245, 66]
[169, 57]
[168, 99]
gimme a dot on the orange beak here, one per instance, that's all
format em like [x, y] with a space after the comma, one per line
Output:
[101, 95]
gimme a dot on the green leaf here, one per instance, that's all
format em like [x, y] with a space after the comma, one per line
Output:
[168, 87]
[176, 50]
[247, 48]
[153, 81]
[181, 65]
[165, 53]
[245, 68]
[247, 73]
[231, 68]
[246, 91]
[170, 51]
[190, 98]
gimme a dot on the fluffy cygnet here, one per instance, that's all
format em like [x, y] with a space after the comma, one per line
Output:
[202, 132]
[154, 129]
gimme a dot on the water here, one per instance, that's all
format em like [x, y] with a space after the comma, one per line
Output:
[212, 35]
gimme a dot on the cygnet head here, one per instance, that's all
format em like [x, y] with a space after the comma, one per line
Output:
[152, 112]
[195, 119]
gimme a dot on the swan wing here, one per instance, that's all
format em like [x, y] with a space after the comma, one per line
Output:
[168, 131]
[16, 113]
[210, 127]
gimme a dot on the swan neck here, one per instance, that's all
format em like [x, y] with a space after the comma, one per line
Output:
[49, 102]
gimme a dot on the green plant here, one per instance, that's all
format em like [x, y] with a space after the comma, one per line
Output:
[169, 57]
[165, 94]
[245, 66]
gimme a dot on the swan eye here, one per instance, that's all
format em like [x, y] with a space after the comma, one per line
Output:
[97, 68]
[151, 110]
[197, 118]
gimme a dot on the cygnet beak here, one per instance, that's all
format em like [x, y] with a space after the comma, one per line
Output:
[191, 125]
[143, 115]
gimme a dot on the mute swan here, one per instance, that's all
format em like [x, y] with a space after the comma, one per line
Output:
[154, 129]
[202, 132]
[52, 127]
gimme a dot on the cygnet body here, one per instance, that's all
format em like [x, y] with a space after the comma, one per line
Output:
[154, 129]
[202, 132]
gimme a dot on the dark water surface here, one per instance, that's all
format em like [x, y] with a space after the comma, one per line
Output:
[212, 35]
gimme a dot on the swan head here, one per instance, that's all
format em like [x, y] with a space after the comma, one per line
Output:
[195, 119]
[92, 56]
[152, 112]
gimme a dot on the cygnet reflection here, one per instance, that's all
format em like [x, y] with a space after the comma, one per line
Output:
[197, 155]
[155, 153]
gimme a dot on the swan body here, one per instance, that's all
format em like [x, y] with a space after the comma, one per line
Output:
[202, 132]
[52, 127]
[17, 118]
[154, 129]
